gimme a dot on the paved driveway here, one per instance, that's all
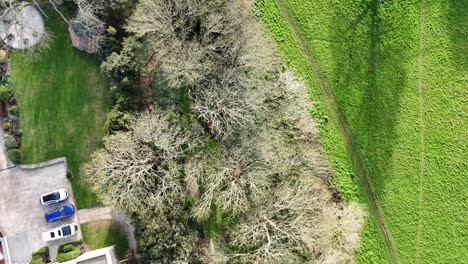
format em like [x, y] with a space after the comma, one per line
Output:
[21, 213]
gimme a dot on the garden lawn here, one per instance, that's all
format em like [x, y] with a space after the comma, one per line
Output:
[104, 233]
[399, 75]
[63, 104]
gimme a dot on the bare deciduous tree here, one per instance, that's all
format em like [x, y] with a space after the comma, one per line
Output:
[141, 167]
[225, 105]
[232, 182]
[202, 46]
[140, 172]
[294, 225]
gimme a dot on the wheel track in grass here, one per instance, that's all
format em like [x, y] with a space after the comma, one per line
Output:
[388, 240]
[422, 127]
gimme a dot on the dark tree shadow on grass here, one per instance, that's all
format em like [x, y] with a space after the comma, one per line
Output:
[369, 82]
[457, 17]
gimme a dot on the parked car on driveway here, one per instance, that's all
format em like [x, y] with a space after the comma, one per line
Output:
[54, 196]
[60, 232]
[60, 213]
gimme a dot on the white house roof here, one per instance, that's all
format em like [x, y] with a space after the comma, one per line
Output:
[99, 256]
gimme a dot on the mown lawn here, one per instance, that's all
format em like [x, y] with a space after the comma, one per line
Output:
[104, 234]
[63, 103]
[406, 103]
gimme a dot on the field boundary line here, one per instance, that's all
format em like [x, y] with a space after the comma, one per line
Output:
[356, 157]
[422, 126]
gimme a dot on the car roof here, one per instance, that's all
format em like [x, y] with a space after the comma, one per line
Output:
[67, 230]
[51, 196]
[69, 209]
[52, 214]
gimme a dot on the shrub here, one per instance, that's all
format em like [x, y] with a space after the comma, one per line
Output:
[116, 121]
[5, 93]
[66, 256]
[15, 156]
[3, 55]
[36, 261]
[13, 110]
[108, 45]
[6, 126]
[111, 30]
[39, 256]
[68, 247]
[42, 252]
[70, 177]
[10, 142]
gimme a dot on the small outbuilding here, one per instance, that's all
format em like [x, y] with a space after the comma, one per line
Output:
[86, 32]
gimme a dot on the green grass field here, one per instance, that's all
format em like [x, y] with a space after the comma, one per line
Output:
[104, 234]
[63, 104]
[398, 72]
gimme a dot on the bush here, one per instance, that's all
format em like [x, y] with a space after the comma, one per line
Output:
[10, 142]
[43, 252]
[66, 256]
[116, 121]
[108, 46]
[68, 247]
[13, 110]
[15, 156]
[111, 30]
[39, 256]
[5, 93]
[70, 177]
[3, 56]
[36, 261]
[6, 126]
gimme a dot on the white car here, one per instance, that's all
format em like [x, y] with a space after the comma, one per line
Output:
[60, 232]
[54, 196]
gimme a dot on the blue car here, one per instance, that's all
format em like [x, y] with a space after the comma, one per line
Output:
[60, 213]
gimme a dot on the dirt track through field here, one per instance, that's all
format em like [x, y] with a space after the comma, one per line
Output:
[422, 163]
[356, 157]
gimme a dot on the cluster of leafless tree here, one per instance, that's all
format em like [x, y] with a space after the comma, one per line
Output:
[297, 224]
[201, 45]
[251, 151]
[139, 171]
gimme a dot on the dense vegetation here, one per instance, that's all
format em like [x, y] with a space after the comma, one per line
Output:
[223, 161]
[398, 72]
[63, 102]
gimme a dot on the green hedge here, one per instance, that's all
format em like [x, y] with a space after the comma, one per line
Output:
[67, 248]
[36, 261]
[62, 257]
[39, 256]
[15, 156]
